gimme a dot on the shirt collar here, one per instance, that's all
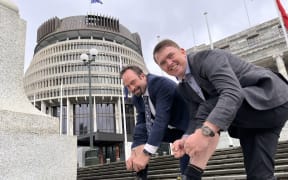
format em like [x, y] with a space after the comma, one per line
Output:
[187, 71]
[146, 93]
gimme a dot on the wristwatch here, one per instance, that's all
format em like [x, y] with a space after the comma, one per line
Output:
[206, 131]
[147, 153]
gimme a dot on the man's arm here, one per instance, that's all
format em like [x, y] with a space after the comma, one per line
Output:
[216, 68]
[140, 132]
[161, 91]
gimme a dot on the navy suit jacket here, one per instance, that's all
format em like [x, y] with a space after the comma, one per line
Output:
[226, 81]
[170, 109]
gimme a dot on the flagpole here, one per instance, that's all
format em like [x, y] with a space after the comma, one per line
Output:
[246, 10]
[124, 114]
[193, 36]
[210, 38]
[281, 22]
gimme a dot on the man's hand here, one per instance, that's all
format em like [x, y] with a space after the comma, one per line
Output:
[134, 152]
[200, 148]
[178, 148]
[141, 160]
[129, 161]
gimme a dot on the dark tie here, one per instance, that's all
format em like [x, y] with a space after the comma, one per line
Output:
[193, 84]
[147, 114]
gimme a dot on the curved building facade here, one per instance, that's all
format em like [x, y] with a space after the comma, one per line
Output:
[57, 81]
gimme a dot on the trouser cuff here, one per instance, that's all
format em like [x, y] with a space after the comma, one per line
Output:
[193, 172]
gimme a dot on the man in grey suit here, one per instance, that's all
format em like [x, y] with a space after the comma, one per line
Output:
[227, 93]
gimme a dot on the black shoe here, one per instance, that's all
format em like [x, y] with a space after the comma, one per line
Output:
[140, 178]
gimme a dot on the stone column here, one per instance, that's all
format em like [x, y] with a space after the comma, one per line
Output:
[281, 65]
[118, 116]
[101, 155]
[43, 107]
[117, 152]
[50, 111]
[69, 120]
[30, 144]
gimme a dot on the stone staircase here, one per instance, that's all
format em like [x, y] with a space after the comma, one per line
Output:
[226, 164]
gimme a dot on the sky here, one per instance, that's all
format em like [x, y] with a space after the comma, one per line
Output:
[183, 21]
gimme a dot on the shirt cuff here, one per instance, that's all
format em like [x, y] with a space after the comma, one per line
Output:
[185, 135]
[151, 149]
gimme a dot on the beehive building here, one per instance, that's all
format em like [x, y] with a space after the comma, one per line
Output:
[58, 78]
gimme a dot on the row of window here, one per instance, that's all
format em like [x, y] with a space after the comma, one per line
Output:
[75, 79]
[75, 46]
[268, 35]
[81, 91]
[105, 116]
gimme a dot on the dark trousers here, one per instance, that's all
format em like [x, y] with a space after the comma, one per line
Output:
[258, 132]
[143, 174]
[170, 136]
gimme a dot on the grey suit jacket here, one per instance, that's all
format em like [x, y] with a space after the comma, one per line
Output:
[226, 81]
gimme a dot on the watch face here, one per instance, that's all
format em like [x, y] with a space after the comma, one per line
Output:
[206, 131]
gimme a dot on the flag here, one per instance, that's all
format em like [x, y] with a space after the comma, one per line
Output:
[96, 1]
[283, 13]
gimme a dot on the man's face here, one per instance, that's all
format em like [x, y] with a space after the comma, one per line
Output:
[172, 60]
[136, 84]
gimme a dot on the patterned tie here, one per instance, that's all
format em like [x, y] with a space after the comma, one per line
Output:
[148, 117]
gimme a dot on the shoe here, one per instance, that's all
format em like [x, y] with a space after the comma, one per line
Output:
[140, 178]
[183, 177]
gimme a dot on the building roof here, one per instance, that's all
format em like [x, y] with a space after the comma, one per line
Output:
[86, 27]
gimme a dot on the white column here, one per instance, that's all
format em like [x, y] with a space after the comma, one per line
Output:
[119, 117]
[43, 107]
[281, 65]
[69, 120]
[94, 116]
[50, 112]
[135, 115]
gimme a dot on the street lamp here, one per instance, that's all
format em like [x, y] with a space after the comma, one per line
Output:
[88, 59]
[210, 38]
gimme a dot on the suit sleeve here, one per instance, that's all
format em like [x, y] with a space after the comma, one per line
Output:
[162, 91]
[140, 132]
[217, 69]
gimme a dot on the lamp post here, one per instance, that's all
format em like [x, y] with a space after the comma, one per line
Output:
[88, 59]
[208, 29]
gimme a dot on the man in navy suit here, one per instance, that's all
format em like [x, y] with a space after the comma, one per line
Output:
[164, 119]
[225, 92]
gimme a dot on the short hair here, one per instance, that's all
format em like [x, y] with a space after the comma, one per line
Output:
[133, 68]
[162, 44]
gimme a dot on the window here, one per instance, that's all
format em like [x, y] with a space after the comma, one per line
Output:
[105, 117]
[81, 119]
[130, 120]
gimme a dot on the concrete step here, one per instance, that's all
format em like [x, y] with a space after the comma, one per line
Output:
[226, 164]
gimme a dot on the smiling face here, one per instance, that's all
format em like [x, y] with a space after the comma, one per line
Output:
[135, 83]
[172, 60]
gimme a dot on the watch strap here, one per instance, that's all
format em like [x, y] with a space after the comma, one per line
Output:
[147, 153]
